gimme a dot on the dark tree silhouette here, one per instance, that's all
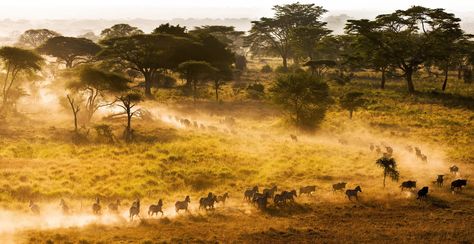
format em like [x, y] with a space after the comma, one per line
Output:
[34, 38]
[70, 50]
[389, 167]
[352, 101]
[195, 72]
[167, 28]
[120, 30]
[75, 108]
[128, 101]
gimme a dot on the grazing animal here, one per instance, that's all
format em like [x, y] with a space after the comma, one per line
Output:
[135, 209]
[307, 190]
[417, 152]
[339, 186]
[458, 184]
[64, 206]
[371, 147]
[96, 208]
[440, 180]
[248, 194]
[34, 208]
[207, 202]
[223, 198]
[378, 150]
[454, 169]
[113, 206]
[182, 205]
[410, 184]
[270, 191]
[353, 193]
[294, 138]
[422, 193]
[154, 209]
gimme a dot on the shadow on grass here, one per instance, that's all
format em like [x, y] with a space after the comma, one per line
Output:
[288, 209]
[438, 202]
[449, 99]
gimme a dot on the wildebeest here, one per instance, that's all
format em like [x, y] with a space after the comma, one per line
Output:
[353, 193]
[454, 169]
[113, 206]
[223, 198]
[289, 195]
[248, 194]
[154, 209]
[34, 208]
[377, 149]
[424, 158]
[135, 209]
[262, 201]
[417, 152]
[409, 149]
[440, 180]
[410, 184]
[64, 206]
[389, 150]
[307, 190]
[339, 186]
[195, 124]
[458, 184]
[294, 138]
[207, 202]
[371, 147]
[96, 208]
[182, 205]
[270, 192]
[422, 193]
[185, 122]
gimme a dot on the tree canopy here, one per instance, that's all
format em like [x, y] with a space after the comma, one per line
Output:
[120, 30]
[70, 50]
[34, 38]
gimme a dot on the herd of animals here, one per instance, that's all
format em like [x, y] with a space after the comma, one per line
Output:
[262, 199]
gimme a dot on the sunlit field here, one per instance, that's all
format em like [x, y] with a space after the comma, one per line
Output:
[283, 133]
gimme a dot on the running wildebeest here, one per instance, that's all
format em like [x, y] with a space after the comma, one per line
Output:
[307, 190]
[417, 152]
[424, 158]
[409, 149]
[96, 208]
[378, 150]
[353, 193]
[207, 202]
[262, 201]
[223, 198]
[34, 208]
[195, 124]
[64, 206]
[270, 192]
[410, 184]
[182, 205]
[248, 194]
[294, 138]
[458, 184]
[339, 186]
[454, 169]
[154, 209]
[371, 147]
[440, 180]
[113, 206]
[422, 193]
[135, 209]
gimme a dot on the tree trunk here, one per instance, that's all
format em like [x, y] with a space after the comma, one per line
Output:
[445, 82]
[460, 68]
[408, 77]
[384, 177]
[69, 64]
[128, 137]
[147, 85]
[350, 113]
[382, 83]
[285, 62]
[194, 90]
[217, 90]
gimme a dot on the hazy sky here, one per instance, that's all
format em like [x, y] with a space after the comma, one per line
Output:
[161, 9]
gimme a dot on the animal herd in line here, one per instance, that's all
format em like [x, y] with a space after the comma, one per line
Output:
[261, 199]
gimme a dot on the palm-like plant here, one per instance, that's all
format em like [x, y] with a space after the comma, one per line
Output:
[389, 166]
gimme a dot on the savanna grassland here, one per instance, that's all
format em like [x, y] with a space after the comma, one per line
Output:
[38, 161]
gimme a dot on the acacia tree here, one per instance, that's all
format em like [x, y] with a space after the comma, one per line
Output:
[34, 38]
[227, 35]
[306, 38]
[352, 101]
[195, 72]
[303, 96]
[120, 30]
[16, 61]
[277, 33]
[389, 167]
[75, 108]
[70, 50]
[128, 101]
[95, 84]
[167, 28]
[407, 37]
[147, 54]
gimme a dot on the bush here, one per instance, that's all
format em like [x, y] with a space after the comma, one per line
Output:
[266, 69]
[305, 97]
[256, 91]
